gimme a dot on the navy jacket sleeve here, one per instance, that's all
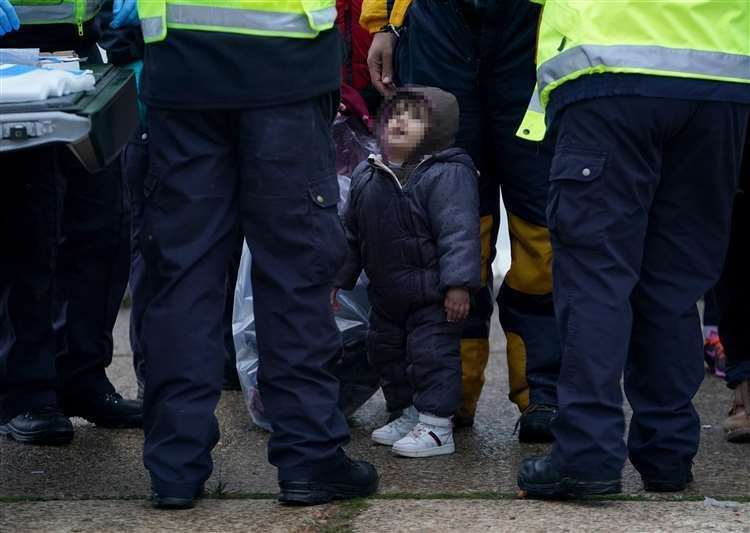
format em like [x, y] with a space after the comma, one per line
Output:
[352, 268]
[453, 210]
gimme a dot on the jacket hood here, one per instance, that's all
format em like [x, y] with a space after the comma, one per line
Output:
[443, 117]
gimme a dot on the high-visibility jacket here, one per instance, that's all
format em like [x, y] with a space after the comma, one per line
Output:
[57, 11]
[379, 13]
[269, 18]
[697, 39]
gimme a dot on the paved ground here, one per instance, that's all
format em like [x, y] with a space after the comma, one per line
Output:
[98, 483]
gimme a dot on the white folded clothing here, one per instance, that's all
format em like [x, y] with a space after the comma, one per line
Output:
[23, 83]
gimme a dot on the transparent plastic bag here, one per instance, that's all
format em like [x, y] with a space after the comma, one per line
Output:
[358, 379]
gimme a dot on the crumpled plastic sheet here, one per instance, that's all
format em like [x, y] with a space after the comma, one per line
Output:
[359, 381]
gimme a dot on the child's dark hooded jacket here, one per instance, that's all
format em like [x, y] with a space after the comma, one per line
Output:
[421, 238]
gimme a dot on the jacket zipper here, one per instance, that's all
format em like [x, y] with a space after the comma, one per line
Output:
[80, 8]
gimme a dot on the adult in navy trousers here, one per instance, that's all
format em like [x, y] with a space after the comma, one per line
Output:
[243, 144]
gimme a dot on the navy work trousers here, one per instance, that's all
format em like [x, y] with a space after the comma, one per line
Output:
[639, 212]
[64, 248]
[270, 173]
[733, 290]
[135, 162]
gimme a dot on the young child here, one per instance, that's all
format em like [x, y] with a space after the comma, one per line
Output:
[412, 223]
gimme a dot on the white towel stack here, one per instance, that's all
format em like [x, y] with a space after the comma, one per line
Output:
[23, 83]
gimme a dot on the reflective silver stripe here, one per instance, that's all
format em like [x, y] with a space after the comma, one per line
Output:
[698, 62]
[536, 102]
[152, 27]
[324, 16]
[244, 19]
[59, 13]
[64, 12]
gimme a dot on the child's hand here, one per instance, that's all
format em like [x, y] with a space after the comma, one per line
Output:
[457, 304]
[334, 300]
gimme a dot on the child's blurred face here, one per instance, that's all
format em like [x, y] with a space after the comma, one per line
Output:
[406, 127]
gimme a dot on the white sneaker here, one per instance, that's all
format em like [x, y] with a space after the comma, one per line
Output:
[398, 429]
[432, 436]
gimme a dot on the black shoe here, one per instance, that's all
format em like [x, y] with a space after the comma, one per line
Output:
[352, 479]
[160, 501]
[44, 426]
[107, 410]
[536, 423]
[664, 485]
[539, 478]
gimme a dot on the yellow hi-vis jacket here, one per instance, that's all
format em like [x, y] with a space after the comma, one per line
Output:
[57, 11]
[698, 39]
[270, 18]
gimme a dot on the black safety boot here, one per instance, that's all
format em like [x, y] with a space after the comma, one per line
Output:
[667, 485]
[44, 426]
[351, 479]
[108, 410]
[175, 503]
[539, 478]
[536, 424]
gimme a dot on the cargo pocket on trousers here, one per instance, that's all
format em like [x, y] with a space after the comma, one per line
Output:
[575, 211]
[329, 238]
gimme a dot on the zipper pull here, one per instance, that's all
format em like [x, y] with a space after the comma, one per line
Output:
[80, 29]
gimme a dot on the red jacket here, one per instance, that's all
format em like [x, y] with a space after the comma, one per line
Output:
[357, 39]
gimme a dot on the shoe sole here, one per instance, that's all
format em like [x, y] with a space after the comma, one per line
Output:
[739, 436]
[303, 493]
[173, 504]
[570, 488]
[42, 438]
[384, 441]
[446, 449]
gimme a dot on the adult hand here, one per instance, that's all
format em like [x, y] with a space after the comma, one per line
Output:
[125, 14]
[457, 304]
[8, 18]
[380, 62]
[335, 300]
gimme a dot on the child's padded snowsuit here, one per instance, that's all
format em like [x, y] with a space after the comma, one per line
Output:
[415, 242]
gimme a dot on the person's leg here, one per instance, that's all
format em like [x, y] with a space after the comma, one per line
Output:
[733, 294]
[686, 241]
[289, 193]
[92, 276]
[34, 210]
[386, 352]
[135, 168]
[189, 230]
[231, 379]
[434, 362]
[603, 178]
[425, 57]
[30, 215]
[434, 357]
[733, 290]
[525, 298]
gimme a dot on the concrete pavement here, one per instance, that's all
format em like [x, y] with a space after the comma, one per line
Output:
[98, 482]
